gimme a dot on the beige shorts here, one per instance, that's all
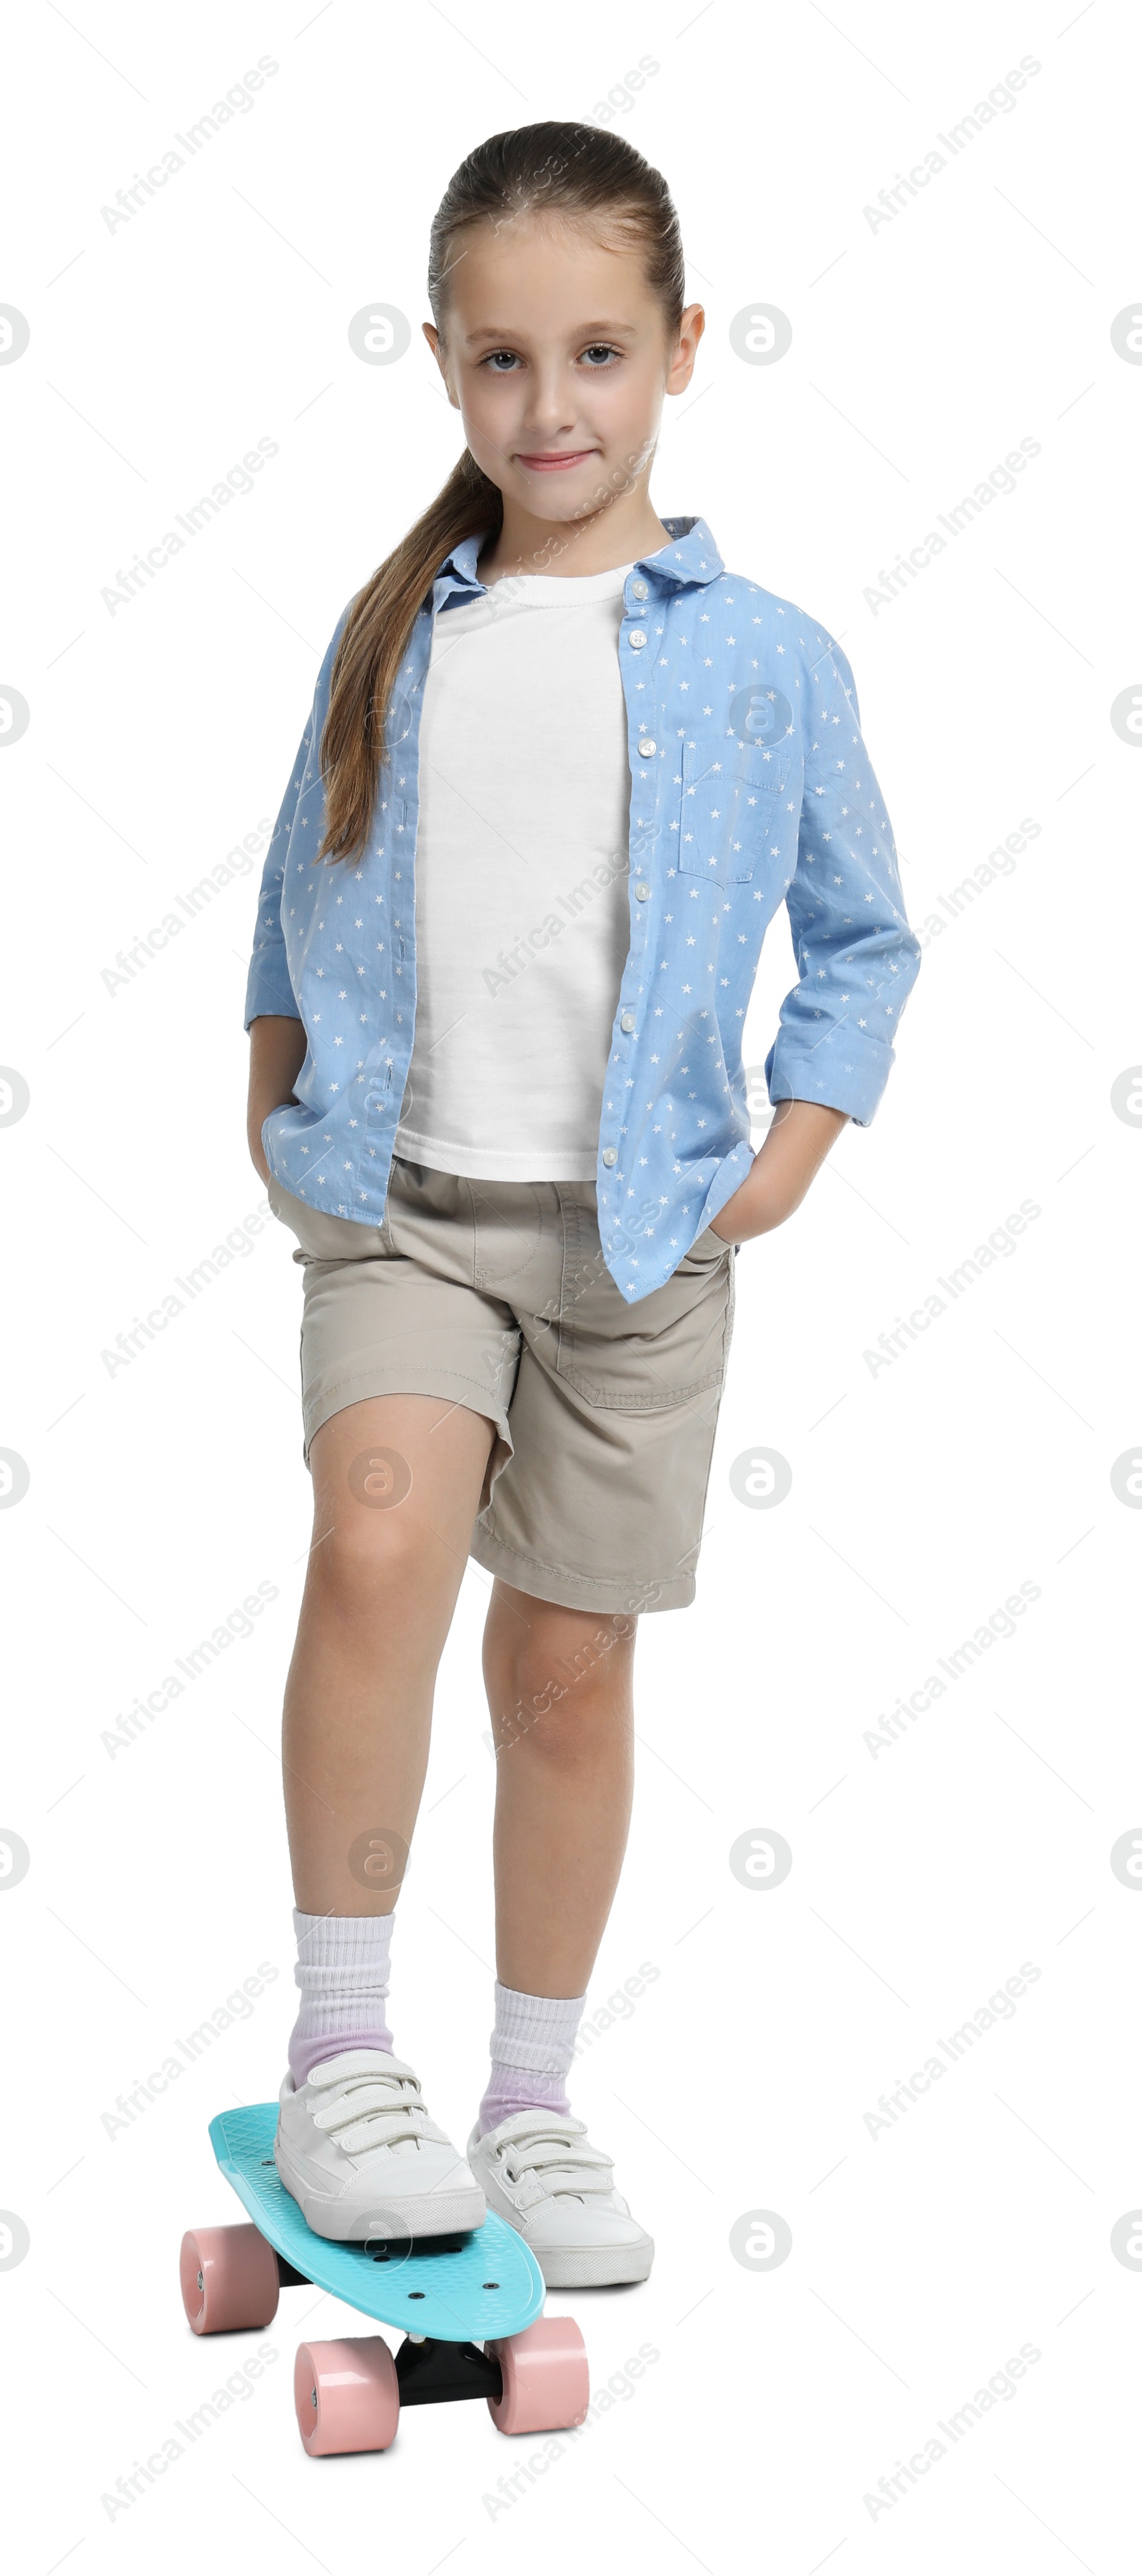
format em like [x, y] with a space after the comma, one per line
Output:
[495, 1295]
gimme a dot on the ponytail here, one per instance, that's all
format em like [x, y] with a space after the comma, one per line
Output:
[372, 648]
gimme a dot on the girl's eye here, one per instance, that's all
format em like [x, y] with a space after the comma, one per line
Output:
[597, 349]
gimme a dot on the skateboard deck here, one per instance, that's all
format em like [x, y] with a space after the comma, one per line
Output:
[483, 2286]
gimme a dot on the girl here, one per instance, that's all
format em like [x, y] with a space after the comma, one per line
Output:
[561, 771]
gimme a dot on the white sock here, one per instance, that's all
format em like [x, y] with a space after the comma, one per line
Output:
[343, 1974]
[533, 2044]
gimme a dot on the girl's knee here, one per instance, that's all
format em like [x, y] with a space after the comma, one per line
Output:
[367, 1559]
[564, 1678]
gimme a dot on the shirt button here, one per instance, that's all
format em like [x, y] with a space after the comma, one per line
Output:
[636, 638]
[647, 749]
[641, 893]
[638, 589]
[627, 1020]
[610, 1154]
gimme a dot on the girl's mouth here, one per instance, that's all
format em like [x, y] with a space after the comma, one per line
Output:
[555, 462]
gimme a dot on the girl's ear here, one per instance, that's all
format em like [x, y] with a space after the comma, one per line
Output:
[432, 336]
[690, 329]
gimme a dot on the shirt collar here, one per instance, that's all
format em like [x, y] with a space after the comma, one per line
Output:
[690, 557]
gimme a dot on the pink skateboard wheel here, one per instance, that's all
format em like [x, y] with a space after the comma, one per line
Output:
[346, 2395]
[229, 2279]
[546, 2384]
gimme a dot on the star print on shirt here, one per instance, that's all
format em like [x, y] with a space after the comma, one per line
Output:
[790, 823]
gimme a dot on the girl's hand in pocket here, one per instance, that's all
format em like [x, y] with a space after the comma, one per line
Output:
[790, 1156]
[277, 1053]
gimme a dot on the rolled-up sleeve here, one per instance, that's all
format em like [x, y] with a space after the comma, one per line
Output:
[857, 958]
[268, 986]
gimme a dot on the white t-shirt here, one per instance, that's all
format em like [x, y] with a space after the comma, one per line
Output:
[522, 905]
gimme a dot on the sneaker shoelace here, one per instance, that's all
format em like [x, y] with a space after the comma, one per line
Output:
[372, 2109]
[558, 2151]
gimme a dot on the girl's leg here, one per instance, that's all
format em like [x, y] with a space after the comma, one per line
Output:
[384, 1573]
[397, 1483]
[560, 1690]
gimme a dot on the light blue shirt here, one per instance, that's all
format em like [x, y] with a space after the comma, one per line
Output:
[750, 787]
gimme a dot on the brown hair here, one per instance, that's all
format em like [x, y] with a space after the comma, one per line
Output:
[532, 169]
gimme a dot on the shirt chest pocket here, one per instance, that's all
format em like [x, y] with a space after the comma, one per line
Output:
[730, 793]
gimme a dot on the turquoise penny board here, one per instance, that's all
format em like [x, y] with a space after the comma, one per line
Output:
[492, 2286]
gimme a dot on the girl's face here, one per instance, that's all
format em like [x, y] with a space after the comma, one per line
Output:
[557, 359]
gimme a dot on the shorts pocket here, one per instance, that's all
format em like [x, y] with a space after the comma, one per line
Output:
[655, 1353]
[326, 1238]
[706, 1246]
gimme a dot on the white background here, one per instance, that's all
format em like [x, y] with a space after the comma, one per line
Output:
[922, 1495]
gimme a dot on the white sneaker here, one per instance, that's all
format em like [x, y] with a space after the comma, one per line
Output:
[540, 2172]
[358, 2152]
